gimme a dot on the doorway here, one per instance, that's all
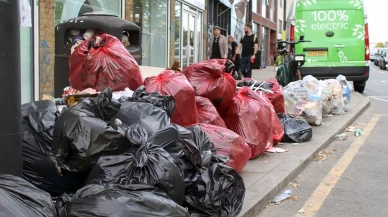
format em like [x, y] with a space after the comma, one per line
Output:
[188, 47]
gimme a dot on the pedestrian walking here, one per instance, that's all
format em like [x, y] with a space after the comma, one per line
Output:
[218, 45]
[233, 53]
[249, 46]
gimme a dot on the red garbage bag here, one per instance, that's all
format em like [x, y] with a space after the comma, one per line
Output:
[250, 117]
[207, 113]
[276, 97]
[175, 84]
[209, 80]
[102, 64]
[277, 127]
[230, 144]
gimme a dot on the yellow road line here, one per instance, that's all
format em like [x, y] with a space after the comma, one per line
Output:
[316, 200]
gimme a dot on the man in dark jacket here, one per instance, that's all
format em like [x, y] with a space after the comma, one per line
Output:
[233, 54]
[249, 46]
[218, 45]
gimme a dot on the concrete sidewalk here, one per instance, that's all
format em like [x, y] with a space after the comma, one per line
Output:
[268, 174]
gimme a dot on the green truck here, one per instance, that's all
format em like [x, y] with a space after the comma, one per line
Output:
[338, 30]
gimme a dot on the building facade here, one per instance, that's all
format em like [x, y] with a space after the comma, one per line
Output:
[265, 25]
[171, 30]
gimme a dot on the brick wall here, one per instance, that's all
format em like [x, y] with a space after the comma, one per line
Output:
[46, 46]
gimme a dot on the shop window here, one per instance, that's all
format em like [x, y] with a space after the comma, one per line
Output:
[151, 16]
[264, 5]
[26, 54]
[254, 6]
[67, 9]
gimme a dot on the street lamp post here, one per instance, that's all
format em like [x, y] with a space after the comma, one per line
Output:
[10, 89]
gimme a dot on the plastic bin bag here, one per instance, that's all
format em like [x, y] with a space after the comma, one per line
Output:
[145, 163]
[346, 91]
[175, 84]
[303, 100]
[207, 113]
[230, 144]
[277, 128]
[167, 103]
[210, 80]
[117, 200]
[103, 62]
[86, 132]
[295, 130]
[22, 199]
[38, 119]
[214, 191]
[337, 101]
[250, 117]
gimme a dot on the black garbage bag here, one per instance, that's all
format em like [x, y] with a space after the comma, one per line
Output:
[22, 199]
[296, 130]
[147, 115]
[166, 103]
[121, 201]
[38, 119]
[216, 191]
[86, 131]
[145, 163]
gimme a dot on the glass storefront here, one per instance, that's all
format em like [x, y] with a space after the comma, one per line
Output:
[26, 52]
[188, 34]
[67, 9]
[151, 16]
[264, 45]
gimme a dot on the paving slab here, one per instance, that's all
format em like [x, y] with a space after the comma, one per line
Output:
[268, 174]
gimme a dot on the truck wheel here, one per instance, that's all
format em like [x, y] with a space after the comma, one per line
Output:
[359, 86]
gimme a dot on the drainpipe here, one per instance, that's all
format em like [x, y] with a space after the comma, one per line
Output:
[10, 89]
[284, 14]
[250, 11]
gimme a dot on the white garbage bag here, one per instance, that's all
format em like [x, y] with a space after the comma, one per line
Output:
[337, 101]
[346, 91]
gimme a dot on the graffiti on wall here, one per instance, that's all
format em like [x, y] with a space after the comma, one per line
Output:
[46, 59]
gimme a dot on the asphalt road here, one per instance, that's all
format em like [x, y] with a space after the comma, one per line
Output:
[350, 178]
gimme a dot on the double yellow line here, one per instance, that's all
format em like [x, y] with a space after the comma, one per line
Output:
[316, 200]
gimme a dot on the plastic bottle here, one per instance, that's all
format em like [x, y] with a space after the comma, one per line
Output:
[358, 132]
[342, 136]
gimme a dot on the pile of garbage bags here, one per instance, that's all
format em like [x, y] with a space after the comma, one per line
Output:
[171, 146]
[311, 100]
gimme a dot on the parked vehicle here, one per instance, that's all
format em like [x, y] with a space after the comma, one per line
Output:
[373, 52]
[340, 39]
[379, 54]
[383, 60]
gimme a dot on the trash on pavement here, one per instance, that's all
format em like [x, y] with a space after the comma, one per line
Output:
[230, 144]
[224, 186]
[277, 127]
[101, 62]
[119, 200]
[358, 133]
[282, 197]
[207, 113]
[145, 163]
[303, 100]
[125, 93]
[276, 150]
[38, 120]
[342, 136]
[86, 131]
[175, 84]
[210, 79]
[250, 116]
[301, 211]
[296, 131]
[19, 198]
[346, 91]
[337, 101]
[166, 103]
